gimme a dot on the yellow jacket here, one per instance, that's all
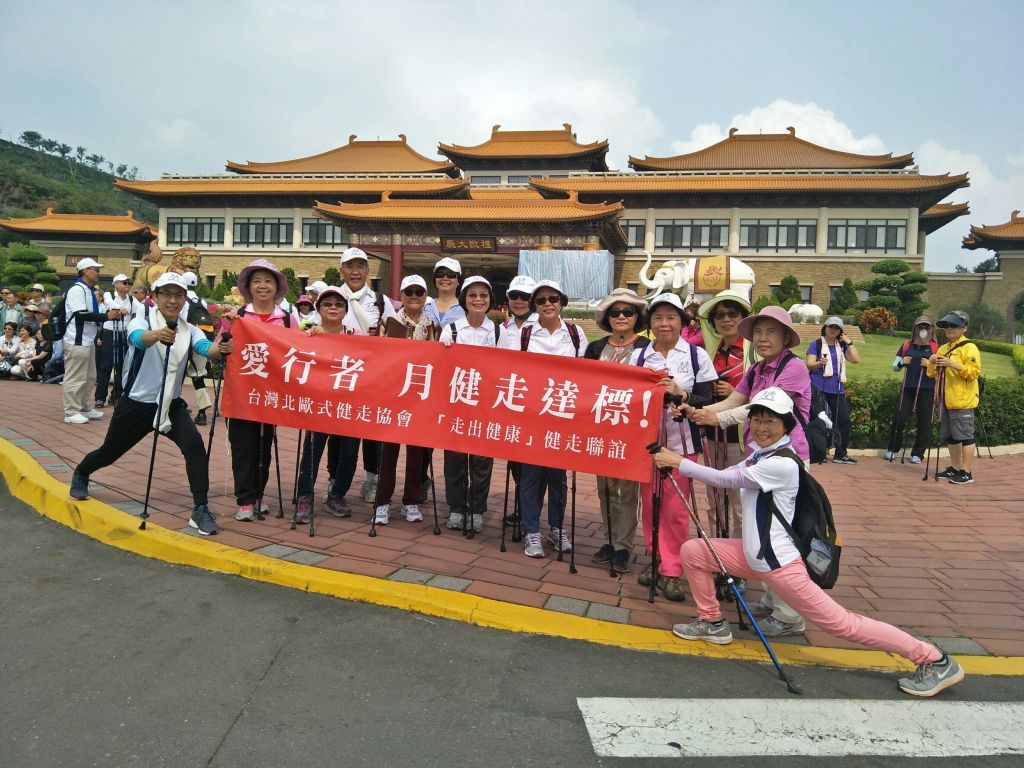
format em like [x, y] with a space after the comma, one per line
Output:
[961, 385]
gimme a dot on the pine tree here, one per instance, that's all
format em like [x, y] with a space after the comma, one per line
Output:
[896, 289]
[27, 265]
[844, 300]
[788, 292]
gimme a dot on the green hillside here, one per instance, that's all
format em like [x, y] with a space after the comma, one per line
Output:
[32, 180]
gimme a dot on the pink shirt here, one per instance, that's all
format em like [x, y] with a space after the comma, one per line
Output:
[795, 380]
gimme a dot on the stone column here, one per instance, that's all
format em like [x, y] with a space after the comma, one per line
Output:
[912, 231]
[161, 237]
[296, 228]
[397, 265]
[821, 241]
[734, 231]
[649, 231]
[229, 228]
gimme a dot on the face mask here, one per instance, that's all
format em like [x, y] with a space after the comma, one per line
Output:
[922, 333]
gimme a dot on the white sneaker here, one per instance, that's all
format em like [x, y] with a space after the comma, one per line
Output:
[412, 513]
[76, 418]
[382, 514]
[454, 521]
[558, 539]
[245, 513]
[93, 414]
[533, 546]
[369, 490]
[478, 523]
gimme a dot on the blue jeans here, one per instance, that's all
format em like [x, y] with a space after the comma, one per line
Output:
[313, 444]
[533, 481]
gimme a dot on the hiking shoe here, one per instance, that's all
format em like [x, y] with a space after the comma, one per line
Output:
[382, 514]
[949, 473]
[303, 509]
[455, 520]
[76, 418]
[889, 455]
[338, 507]
[931, 678]
[772, 627]
[246, 513]
[93, 414]
[369, 490]
[558, 539]
[716, 632]
[101, 403]
[412, 513]
[478, 523]
[962, 478]
[200, 418]
[264, 508]
[620, 561]
[202, 520]
[604, 554]
[646, 577]
[533, 548]
[672, 588]
[79, 487]
[844, 460]
[330, 489]
[915, 459]
[760, 609]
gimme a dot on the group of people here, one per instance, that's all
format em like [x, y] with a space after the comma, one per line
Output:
[24, 348]
[734, 394]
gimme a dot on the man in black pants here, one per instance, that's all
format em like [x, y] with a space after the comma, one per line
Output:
[152, 337]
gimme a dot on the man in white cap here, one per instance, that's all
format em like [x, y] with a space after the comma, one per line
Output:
[39, 299]
[83, 318]
[113, 343]
[367, 311]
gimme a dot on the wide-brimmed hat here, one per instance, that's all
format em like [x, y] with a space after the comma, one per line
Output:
[779, 315]
[553, 285]
[620, 296]
[955, 319]
[304, 299]
[331, 291]
[707, 309]
[774, 399]
[673, 301]
[246, 273]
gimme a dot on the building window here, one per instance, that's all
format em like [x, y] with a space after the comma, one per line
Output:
[867, 235]
[195, 231]
[634, 287]
[263, 233]
[635, 230]
[805, 294]
[518, 179]
[485, 179]
[317, 233]
[777, 235]
[211, 281]
[691, 234]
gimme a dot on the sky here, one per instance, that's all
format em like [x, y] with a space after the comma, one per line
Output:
[183, 87]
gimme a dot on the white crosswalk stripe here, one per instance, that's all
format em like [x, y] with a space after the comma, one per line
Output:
[734, 727]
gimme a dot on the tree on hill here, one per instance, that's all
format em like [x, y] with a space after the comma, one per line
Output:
[788, 292]
[896, 289]
[31, 139]
[26, 265]
[844, 299]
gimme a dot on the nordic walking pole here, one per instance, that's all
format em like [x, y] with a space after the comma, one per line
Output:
[931, 429]
[156, 429]
[467, 525]
[433, 498]
[608, 525]
[298, 458]
[218, 384]
[504, 510]
[790, 685]
[941, 384]
[277, 469]
[572, 529]
[656, 493]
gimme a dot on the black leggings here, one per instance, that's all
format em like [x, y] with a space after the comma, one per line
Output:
[925, 398]
[132, 421]
[251, 443]
[840, 411]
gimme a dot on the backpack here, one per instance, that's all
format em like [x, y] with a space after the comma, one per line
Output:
[200, 317]
[574, 334]
[58, 324]
[818, 433]
[497, 335]
[813, 530]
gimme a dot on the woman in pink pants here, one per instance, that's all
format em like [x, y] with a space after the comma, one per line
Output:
[770, 467]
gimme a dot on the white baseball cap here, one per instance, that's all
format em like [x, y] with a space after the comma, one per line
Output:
[553, 285]
[317, 285]
[87, 263]
[354, 253]
[120, 277]
[169, 278]
[413, 280]
[523, 283]
[448, 263]
[474, 280]
[38, 287]
[190, 279]
[774, 399]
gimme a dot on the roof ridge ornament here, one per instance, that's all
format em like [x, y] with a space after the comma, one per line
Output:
[733, 132]
[352, 138]
[1015, 216]
[49, 211]
[792, 131]
[494, 129]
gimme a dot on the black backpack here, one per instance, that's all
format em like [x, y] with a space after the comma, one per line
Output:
[818, 433]
[58, 324]
[200, 317]
[574, 336]
[813, 530]
[497, 334]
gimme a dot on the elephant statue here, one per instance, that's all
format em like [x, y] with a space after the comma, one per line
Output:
[677, 276]
[806, 313]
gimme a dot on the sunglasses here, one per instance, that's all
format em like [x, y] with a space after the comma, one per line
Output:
[446, 274]
[540, 301]
[726, 314]
[414, 292]
[622, 312]
[517, 296]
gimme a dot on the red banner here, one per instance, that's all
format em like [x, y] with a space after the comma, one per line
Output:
[558, 412]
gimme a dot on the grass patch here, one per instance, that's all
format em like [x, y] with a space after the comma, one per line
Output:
[878, 352]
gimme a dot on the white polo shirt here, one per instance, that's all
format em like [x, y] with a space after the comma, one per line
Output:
[112, 301]
[467, 334]
[80, 299]
[546, 343]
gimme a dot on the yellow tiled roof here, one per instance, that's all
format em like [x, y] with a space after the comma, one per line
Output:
[355, 157]
[81, 223]
[471, 210]
[655, 183]
[770, 151]
[312, 185]
[515, 193]
[526, 144]
[946, 209]
[1011, 230]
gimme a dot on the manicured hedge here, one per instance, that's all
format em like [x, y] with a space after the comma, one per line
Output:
[873, 408]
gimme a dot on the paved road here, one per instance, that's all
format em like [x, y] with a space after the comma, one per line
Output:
[108, 659]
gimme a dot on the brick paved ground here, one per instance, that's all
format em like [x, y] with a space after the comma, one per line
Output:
[943, 561]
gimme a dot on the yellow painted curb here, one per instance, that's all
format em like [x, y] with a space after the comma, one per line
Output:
[30, 483]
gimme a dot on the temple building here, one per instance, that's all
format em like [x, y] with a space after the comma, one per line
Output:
[781, 203]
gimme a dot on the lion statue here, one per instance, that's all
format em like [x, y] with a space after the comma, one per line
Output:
[185, 259]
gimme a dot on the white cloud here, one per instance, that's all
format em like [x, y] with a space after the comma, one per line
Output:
[812, 122]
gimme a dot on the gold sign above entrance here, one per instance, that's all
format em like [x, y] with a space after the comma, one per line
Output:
[469, 244]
